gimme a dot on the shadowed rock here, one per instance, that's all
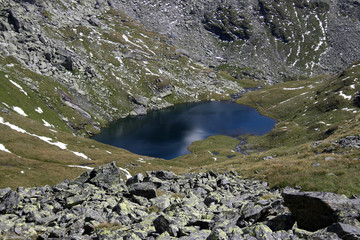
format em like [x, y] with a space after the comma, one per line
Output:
[317, 210]
[144, 189]
[9, 202]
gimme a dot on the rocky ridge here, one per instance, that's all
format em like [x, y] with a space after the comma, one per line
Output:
[268, 40]
[162, 205]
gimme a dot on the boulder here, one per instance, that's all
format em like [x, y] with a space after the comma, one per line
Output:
[345, 231]
[15, 20]
[161, 224]
[135, 179]
[104, 176]
[317, 210]
[143, 189]
[163, 175]
[10, 202]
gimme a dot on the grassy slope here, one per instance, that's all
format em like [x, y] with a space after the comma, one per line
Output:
[311, 115]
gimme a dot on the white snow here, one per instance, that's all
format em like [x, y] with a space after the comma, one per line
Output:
[127, 40]
[323, 38]
[345, 96]
[19, 111]
[349, 110]
[19, 87]
[3, 148]
[127, 174]
[46, 124]
[5, 105]
[290, 89]
[109, 152]
[76, 166]
[22, 172]
[352, 86]
[80, 155]
[48, 140]
[39, 110]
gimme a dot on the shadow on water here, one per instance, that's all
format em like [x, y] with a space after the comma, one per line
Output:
[167, 133]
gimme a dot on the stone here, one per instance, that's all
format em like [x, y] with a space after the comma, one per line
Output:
[163, 175]
[135, 179]
[68, 63]
[345, 231]
[161, 224]
[140, 100]
[15, 20]
[317, 210]
[9, 202]
[144, 189]
[217, 234]
[104, 176]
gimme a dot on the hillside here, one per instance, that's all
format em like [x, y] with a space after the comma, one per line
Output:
[69, 68]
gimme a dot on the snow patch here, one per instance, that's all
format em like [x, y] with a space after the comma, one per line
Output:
[109, 152]
[127, 174]
[290, 89]
[352, 86]
[19, 87]
[349, 110]
[80, 155]
[46, 124]
[127, 40]
[78, 166]
[48, 140]
[39, 110]
[5, 105]
[3, 148]
[345, 96]
[20, 111]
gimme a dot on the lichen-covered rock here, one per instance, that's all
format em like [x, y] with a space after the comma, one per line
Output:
[10, 202]
[93, 207]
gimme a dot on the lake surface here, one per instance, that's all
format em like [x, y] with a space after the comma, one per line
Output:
[167, 133]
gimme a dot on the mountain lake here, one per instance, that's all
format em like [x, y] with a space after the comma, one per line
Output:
[167, 133]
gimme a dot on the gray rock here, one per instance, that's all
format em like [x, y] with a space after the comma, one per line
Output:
[163, 175]
[135, 179]
[345, 231]
[317, 210]
[15, 20]
[9, 202]
[104, 176]
[161, 224]
[144, 189]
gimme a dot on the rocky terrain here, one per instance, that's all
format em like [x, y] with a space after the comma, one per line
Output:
[269, 40]
[68, 68]
[162, 205]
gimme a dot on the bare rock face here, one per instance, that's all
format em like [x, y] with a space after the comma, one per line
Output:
[277, 39]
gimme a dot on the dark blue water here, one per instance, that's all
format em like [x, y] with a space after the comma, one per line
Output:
[167, 133]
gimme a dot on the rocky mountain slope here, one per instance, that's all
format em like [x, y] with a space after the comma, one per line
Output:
[162, 205]
[92, 65]
[268, 40]
[67, 68]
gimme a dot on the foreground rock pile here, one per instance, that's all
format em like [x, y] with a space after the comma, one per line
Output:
[162, 205]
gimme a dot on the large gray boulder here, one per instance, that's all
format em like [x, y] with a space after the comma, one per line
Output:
[104, 176]
[317, 210]
[10, 202]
